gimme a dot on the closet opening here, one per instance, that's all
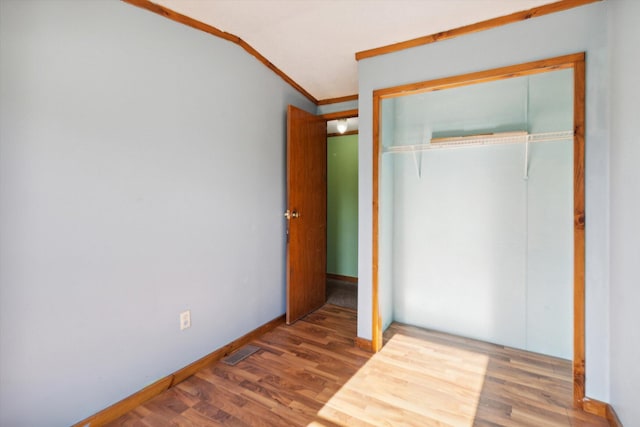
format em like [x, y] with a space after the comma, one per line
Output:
[342, 211]
[478, 208]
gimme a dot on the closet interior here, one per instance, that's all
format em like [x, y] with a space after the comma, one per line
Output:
[476, 200]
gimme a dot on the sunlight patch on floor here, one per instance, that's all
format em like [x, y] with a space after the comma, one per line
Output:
[410, 382]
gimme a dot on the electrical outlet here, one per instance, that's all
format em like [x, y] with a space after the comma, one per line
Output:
[185, 320]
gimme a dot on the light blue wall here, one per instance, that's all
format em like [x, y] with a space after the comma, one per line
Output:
[478, 250]
[386, 218]
[625, 210]
[576, 30]
[142, 173]
[337, 107]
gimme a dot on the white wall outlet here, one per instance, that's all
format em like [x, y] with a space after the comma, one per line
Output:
[185, 320]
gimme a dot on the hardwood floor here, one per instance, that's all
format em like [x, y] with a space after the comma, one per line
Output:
[310, 374]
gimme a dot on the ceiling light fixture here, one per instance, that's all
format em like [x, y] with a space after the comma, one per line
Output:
[342, 125]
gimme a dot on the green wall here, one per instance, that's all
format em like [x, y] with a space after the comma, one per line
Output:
[342, 205]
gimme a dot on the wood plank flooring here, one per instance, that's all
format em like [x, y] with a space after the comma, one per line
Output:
[310, 374]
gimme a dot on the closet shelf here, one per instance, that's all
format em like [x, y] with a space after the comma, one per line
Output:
[476, 140]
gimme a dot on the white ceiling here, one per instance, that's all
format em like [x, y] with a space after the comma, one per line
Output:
[314, 41]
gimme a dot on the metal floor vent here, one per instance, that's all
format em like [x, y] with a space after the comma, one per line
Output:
[240, 355]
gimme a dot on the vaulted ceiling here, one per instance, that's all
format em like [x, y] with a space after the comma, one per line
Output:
[314, 42]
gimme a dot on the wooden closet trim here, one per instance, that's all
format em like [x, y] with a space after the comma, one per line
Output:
[579, 370]
[519, 70]
[577, 63]
[199, 25]
[474, 28]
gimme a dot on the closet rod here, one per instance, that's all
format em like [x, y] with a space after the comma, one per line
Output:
[480, 140]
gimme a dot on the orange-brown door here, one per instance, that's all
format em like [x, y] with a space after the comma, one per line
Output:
[306, 212]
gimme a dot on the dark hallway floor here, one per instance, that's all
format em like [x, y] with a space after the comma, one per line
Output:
[343, 294]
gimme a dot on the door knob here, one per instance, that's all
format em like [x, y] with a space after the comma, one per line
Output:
[288, 214]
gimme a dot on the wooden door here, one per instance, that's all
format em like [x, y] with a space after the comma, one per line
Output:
[306, 213]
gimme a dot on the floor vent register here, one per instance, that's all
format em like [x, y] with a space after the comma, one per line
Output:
[238, 356]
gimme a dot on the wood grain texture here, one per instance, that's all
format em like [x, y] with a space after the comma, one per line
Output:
[376, 325]
[186, 20]
[306, 260]
[601, 409]
[579, 366]
[573, 61]
[349, 279]
[612, 417]
[338, 100]
[341, 114]
[127, 404]
[474, 28]
[310, 374]
[518, 70]
[224, 351]
[595, 407]
[364, 344]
